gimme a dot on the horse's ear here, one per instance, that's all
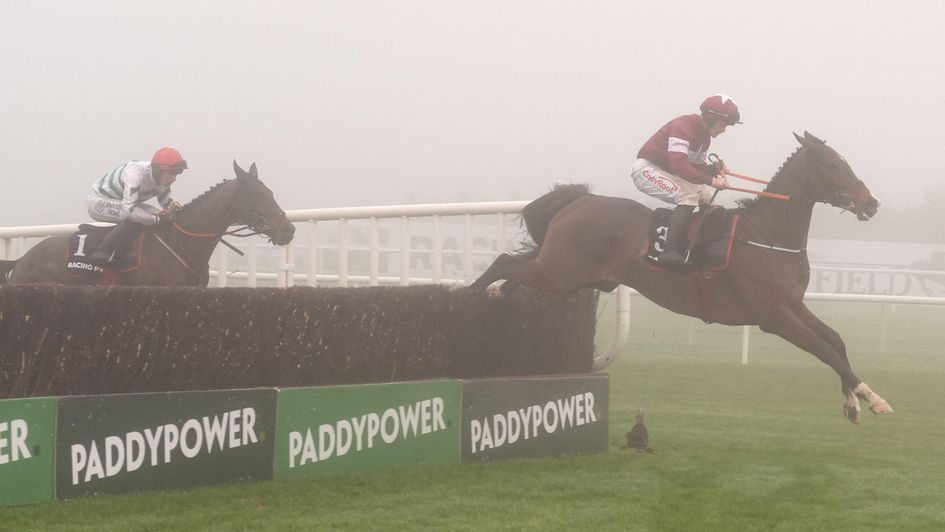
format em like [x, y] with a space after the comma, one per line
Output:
[239, 171]
[809, 141]
[808, 136]
[802, 140]
[252, 171]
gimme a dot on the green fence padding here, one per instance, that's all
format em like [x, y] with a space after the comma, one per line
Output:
[120, 443]
[537, 416]
[27, 455]
[339, 429]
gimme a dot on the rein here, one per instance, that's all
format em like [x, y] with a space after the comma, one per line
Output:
[770, 247]
[193, 234]
[258, 226]
[208, 235]
[837, 201]
[728, 173]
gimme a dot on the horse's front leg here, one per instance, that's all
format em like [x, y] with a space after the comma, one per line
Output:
[851, 406]
[784, 322]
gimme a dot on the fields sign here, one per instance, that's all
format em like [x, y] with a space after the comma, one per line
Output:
[26, 450]
[119, 443]
[337, 429]
[534, 416]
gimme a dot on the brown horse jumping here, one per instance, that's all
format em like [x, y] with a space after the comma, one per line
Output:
[583, 240]
[175, 253]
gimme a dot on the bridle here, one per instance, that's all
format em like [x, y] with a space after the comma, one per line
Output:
[257, 224]
[842, 199]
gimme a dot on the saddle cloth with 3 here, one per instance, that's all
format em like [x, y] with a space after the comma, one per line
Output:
[711, 235]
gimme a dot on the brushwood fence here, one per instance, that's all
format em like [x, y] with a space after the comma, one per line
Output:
[66, 340]
[399, 245]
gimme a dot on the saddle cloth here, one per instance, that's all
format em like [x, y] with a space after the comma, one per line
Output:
[90, 237]
[711, 234]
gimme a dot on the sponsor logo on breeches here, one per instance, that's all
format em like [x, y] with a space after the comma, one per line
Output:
[532, 422]
[659, 182]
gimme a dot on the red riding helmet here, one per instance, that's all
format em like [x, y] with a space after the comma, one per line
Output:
[168, 159]
[721, 106]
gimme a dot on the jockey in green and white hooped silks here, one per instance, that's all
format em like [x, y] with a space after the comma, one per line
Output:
[119, 196]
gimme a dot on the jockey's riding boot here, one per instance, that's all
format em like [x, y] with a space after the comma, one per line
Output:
[676, 238]
[116, 238]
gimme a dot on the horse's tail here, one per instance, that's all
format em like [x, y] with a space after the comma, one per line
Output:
[538, 214]
[6, 266]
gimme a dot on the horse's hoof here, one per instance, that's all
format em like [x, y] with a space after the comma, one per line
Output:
[878, 405]
[852, 414]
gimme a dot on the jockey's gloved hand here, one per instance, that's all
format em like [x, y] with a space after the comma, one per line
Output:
[174, 207]
[716, 165]
[720, 167]
[165, 216]
[719, 181]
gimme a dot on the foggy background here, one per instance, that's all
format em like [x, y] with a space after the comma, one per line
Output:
[350, 103]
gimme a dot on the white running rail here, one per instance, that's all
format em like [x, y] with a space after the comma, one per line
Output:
[378, 246]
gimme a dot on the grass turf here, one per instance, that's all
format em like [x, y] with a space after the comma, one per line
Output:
[755, 447]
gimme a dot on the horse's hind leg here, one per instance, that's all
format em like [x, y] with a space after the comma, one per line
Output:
[851, 407]
[517, 271]
[508, 287]
[497, 271]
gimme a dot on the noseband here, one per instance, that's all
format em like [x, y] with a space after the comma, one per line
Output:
[253, 222]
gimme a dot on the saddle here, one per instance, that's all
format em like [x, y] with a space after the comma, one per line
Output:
[89, 237]
[711, 234]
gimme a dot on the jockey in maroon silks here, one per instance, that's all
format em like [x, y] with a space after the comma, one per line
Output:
[673, 166]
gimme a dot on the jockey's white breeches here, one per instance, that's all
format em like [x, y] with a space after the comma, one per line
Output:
[111, 210]
[662, 185]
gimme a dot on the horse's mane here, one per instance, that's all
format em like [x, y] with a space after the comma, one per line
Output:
[744, 203]
[207, 192]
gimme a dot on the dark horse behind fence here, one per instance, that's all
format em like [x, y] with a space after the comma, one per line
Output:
[175, 253]
[583, 240]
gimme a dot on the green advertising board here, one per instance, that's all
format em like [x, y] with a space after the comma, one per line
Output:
[120, 443]
[27, 427]
[534, 416]
[336, 429]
